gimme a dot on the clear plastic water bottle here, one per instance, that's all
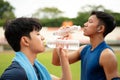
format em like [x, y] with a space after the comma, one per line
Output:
[65, 31]
[67, 44]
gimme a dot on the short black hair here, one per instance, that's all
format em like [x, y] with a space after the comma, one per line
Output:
[106, 19]
[19, 27]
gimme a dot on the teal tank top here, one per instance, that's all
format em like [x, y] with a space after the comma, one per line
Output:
[90, 67]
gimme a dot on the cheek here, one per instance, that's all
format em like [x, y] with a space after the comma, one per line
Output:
[89, 31]
[40, 42]
[41, 47]
[36, 42]
[38, 46]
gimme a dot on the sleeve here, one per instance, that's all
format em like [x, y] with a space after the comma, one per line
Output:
[14, 74]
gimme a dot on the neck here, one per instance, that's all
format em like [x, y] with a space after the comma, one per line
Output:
[95, 41]
[31, 56]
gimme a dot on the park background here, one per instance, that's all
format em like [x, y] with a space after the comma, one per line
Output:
[52, 17]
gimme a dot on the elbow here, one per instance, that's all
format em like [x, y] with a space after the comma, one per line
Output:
[55, 63]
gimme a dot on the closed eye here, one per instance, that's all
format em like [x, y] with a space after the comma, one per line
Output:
[90, 21]
[38, 33]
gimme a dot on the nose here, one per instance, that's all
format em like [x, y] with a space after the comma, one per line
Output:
[42, 38]
[85, 24]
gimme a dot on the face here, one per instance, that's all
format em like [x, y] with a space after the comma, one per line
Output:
[91, 26]
[36, 42]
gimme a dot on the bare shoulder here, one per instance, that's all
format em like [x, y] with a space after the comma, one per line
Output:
[107, 56]
[109, 63]
[107, 59]
[81, 48]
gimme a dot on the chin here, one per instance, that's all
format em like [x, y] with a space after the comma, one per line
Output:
[41, 50]
[84, 34]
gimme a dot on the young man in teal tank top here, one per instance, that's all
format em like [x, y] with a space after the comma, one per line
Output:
[98, 61]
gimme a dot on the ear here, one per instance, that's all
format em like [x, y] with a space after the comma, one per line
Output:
[25, 41]
[101, 28]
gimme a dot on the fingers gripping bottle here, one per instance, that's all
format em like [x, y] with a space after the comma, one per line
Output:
[67, 44]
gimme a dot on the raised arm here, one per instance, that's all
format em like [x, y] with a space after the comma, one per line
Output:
[73, 56]
[63, 59]
[66, 72]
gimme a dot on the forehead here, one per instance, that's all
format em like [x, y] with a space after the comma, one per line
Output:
[93, 18]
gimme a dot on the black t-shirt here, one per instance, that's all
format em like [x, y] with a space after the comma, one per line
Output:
[16, 72]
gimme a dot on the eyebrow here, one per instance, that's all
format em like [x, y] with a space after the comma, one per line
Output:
[90, 19]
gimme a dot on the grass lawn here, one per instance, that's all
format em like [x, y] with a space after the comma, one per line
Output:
[45, 58]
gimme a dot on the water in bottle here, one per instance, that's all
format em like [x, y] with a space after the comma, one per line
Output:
[67, 44]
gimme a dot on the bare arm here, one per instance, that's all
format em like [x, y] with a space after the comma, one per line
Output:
[109, 63]
[73, 56]
[66, 73]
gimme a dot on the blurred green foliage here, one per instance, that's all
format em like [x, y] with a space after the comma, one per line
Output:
[6, 12]
[79, 20]
[52, 17]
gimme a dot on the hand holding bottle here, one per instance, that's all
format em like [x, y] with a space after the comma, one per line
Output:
[65, 38]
